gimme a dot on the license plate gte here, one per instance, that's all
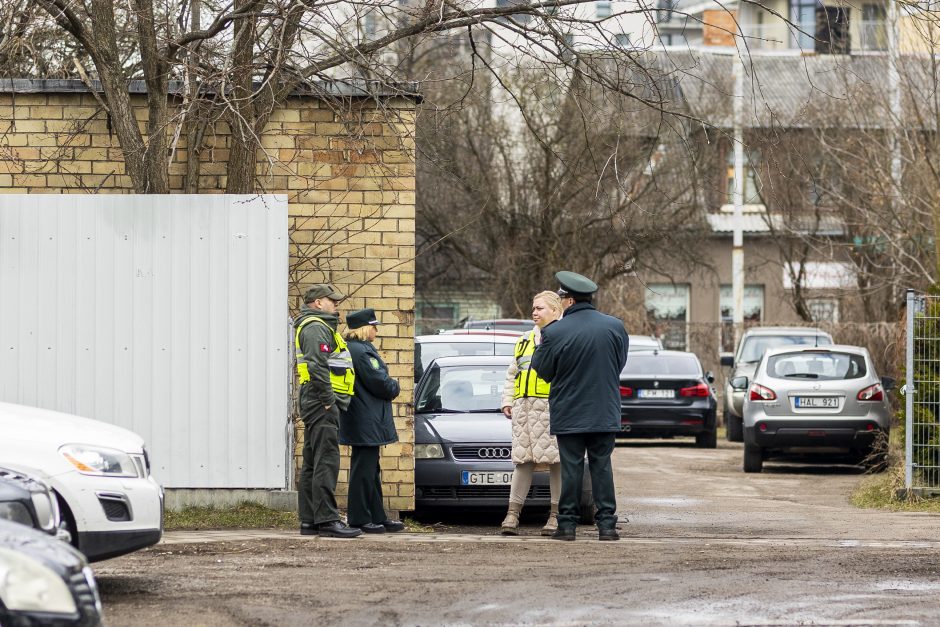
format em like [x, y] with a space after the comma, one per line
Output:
[656, 393]
[470, 477]
[817, 402]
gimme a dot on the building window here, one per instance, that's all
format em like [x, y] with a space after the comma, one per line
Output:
[664, 10]
[822, 28]
[622, 40]
[751, 178]
[602, 9]
[753, 311]
[520, 18]
[667, 310]
[823, 309]
[872, 32]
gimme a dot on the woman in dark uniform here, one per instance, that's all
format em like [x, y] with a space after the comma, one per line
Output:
[367, 425]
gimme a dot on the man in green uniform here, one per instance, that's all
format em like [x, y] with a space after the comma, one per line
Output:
[326, 375]
[582, 355]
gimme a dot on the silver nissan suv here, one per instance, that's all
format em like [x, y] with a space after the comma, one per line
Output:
[744, 361]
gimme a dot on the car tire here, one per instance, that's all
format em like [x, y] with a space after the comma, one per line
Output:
[734, 428]
[707, 439]
[753, 458]
[587, 509]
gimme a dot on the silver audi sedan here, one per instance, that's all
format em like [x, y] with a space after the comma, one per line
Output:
[826, 399]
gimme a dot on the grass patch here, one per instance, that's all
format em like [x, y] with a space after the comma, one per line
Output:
[885, 491]
[245, 515]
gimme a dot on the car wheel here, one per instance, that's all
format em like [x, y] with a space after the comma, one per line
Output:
[734, 428]
[708, 439]
[753, 458]
[587, 509]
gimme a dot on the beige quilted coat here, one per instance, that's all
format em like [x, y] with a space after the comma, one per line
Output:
[531, 441]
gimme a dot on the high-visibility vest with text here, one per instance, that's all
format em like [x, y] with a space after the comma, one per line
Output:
[342, 374]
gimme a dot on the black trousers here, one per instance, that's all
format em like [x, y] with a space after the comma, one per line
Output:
[320, 470]
[598, 447]
[365, 487]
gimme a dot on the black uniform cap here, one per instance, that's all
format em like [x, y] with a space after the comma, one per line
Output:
[360, 318]
[574, 284]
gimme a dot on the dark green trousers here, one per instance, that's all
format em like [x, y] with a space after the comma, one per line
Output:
[320, 470]
[598, 447]
[365, 487]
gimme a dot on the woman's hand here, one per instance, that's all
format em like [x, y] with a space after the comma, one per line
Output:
[507, 410]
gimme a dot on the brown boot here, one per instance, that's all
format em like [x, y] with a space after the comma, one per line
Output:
[552, 525]
[510, 526]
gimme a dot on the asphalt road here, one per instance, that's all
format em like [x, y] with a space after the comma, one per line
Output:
[704, 544]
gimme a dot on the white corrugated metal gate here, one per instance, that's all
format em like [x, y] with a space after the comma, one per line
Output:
[166, 315]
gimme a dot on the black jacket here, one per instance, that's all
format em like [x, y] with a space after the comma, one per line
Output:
[316, 343]
[582, 355]
[368, 421]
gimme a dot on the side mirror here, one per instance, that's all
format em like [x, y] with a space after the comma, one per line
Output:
[739, 383]
[710, 377]
[727, 359]
[888, 383]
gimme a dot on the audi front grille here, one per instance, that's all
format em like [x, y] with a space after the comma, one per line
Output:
[482, 452]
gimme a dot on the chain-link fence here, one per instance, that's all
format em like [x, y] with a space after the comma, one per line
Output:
[922, 394]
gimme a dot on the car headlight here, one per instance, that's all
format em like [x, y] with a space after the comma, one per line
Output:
[27, 585]
[16, 512]
[429, 451]
[100, 461]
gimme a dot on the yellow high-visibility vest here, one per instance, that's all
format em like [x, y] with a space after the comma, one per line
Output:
[528, 383]
[342, 374]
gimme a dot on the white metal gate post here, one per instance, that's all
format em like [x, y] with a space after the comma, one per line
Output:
[909, 392]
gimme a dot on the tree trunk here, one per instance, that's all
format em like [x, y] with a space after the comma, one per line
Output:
[242, 157]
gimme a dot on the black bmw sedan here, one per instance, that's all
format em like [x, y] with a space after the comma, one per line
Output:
[664, 394]
[463, 442]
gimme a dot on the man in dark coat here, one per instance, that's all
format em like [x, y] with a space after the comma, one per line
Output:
[368, 424]
[582, 355]
[325, 375]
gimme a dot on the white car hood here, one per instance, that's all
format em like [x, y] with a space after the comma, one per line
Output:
[56, 428]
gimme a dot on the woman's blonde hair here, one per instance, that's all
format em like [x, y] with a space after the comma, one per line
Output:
[551, 299]
[357, 334]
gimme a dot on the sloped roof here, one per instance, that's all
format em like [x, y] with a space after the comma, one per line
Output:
[780, 90]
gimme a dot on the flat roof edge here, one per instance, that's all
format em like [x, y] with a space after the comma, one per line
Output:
[339, 88]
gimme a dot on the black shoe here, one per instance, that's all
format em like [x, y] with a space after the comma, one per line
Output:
[336, 529]
[308, 529]
[393, 526]
[370, 528]
[564, 534]
[607, 534]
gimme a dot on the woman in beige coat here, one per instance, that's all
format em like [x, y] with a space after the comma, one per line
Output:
[525, 402]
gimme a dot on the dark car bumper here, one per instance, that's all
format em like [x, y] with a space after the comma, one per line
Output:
[825, 433]
[639, 421]
[438, 484]
[102, 545]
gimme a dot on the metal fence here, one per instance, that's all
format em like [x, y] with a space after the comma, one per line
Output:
[922, 394]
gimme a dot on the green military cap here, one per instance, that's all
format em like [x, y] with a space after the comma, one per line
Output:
[323, 290]
[574, 284]
[360, 318]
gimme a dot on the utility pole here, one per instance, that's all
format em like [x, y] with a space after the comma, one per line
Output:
[737, 249]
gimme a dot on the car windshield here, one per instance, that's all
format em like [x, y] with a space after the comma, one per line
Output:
[755, 345]
[429, 351]
[658, 364]
[823, 366]
[453, 389]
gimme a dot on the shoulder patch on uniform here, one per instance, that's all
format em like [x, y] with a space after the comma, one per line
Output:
[374, 362]
[324, 348]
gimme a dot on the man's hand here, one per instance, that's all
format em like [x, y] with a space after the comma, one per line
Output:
[507, 410]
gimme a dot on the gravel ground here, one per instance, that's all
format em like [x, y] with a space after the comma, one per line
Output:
[705, 544]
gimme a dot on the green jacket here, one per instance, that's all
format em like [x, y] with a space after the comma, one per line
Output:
[316, 343]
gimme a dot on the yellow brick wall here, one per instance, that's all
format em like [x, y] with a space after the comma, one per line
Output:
[350, 179]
